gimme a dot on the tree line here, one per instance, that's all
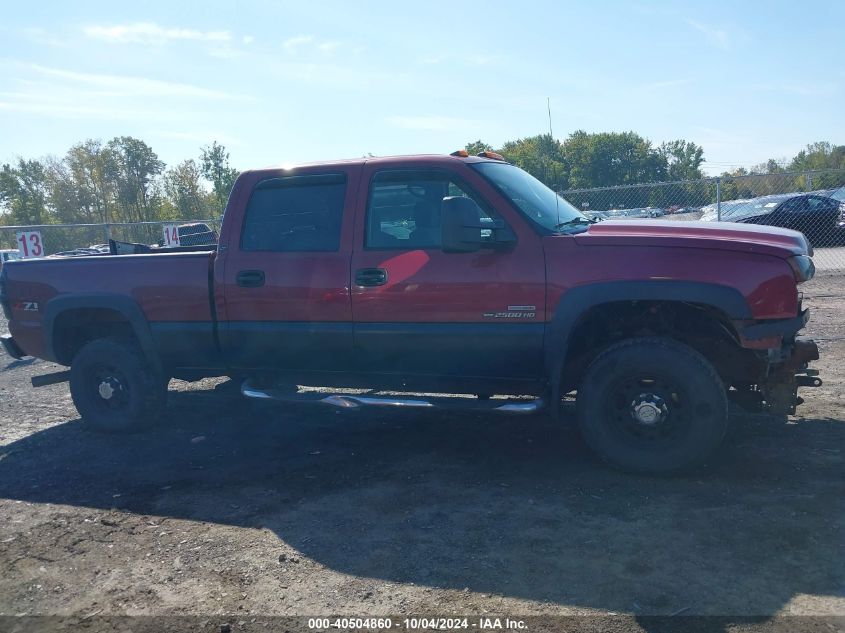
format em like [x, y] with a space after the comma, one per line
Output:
[795, 174]
[613, 159]
[122, 180]
[605, 159]
[610, 159]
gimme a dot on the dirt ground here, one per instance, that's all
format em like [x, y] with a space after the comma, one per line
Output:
[231, 508]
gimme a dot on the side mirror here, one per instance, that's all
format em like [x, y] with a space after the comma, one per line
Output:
[463, 230]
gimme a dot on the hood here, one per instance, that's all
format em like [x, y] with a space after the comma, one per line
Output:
[767, 240]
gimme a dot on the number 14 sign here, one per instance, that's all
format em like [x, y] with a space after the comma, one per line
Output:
[30, 244]
[171, 234]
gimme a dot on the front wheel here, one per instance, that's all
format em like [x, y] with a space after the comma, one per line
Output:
[114, 387]
[652, 405]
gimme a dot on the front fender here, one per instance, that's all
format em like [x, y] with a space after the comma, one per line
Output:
[574, 303]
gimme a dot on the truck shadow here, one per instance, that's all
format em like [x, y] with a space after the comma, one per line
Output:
[512, 507]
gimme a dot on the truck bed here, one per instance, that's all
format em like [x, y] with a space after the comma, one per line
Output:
[172, 289]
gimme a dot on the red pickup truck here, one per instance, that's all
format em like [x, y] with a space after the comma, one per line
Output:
[394, 278]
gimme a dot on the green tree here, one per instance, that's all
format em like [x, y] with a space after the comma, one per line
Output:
[608, 159]
[94, 171]
[63, 193]
[82, 184]
[216, 169]
[24, 192]
[476, 147]
[736, 185]
[133, 167]
[771, 166]
[683, 160]
[542, 156]
[820, 155]
[183, 186]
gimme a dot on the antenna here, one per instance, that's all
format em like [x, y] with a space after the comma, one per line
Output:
[554, 167]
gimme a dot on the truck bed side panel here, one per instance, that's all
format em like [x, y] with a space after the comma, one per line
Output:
[171, 290]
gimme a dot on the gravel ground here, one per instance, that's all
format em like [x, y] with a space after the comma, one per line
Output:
[231, 508]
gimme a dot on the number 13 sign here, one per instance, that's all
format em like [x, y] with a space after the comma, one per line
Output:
[30, 244]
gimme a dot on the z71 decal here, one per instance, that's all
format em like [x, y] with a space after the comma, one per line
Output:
[27, 306]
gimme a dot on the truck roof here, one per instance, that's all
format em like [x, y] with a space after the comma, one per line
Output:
[432, 159]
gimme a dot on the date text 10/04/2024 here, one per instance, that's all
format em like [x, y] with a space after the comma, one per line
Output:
[481, 624]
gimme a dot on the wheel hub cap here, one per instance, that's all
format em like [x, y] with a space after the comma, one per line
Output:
[108, 387]
[648, 409]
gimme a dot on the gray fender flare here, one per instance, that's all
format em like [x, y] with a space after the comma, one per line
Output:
[576, 302]
[125, 306]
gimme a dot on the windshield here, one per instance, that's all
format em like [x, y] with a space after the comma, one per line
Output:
[534, 199]
[838, 194]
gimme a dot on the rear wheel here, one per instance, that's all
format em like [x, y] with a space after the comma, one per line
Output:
[114, 387]
[652, 405]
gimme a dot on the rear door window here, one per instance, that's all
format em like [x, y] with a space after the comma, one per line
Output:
[295, 214]
[815, 203]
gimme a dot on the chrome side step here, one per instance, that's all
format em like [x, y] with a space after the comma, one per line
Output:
[354, 401]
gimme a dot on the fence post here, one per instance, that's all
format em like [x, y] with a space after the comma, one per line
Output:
[719, 198]
[808, 179]
[107, 232]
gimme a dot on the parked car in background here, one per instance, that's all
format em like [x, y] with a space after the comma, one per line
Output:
[839, 195]
[710, 212]
[84, 251]
[624, 213]
[818, 217]
[7, 255]
[196, 234]
[637, 212]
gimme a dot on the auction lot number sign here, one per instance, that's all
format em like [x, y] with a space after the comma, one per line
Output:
[171, 234]
[30, 244]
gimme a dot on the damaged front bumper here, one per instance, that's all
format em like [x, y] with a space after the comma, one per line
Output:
[786, 358]
[780, 390]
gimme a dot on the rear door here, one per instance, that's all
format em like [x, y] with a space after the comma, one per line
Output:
[286, 292]
[428, 317]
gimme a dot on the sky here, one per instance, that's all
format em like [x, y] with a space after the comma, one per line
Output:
[288, 82]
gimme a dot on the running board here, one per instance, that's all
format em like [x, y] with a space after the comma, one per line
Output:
[352, 401]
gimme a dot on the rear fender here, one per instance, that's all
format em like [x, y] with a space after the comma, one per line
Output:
[125, 306]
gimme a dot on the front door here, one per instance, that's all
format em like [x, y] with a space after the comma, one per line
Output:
[426, 317]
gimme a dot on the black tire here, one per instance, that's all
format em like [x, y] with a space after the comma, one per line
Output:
[114, 387]
[652, 405]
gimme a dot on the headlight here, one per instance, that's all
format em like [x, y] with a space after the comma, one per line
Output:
[802, 267]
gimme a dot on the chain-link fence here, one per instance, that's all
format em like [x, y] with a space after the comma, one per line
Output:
[76, 238]
[811, 202]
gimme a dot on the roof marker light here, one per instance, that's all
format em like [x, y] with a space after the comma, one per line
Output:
[491, 155]
[461, 153]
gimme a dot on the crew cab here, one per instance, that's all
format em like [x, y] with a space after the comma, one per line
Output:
[418, 275]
